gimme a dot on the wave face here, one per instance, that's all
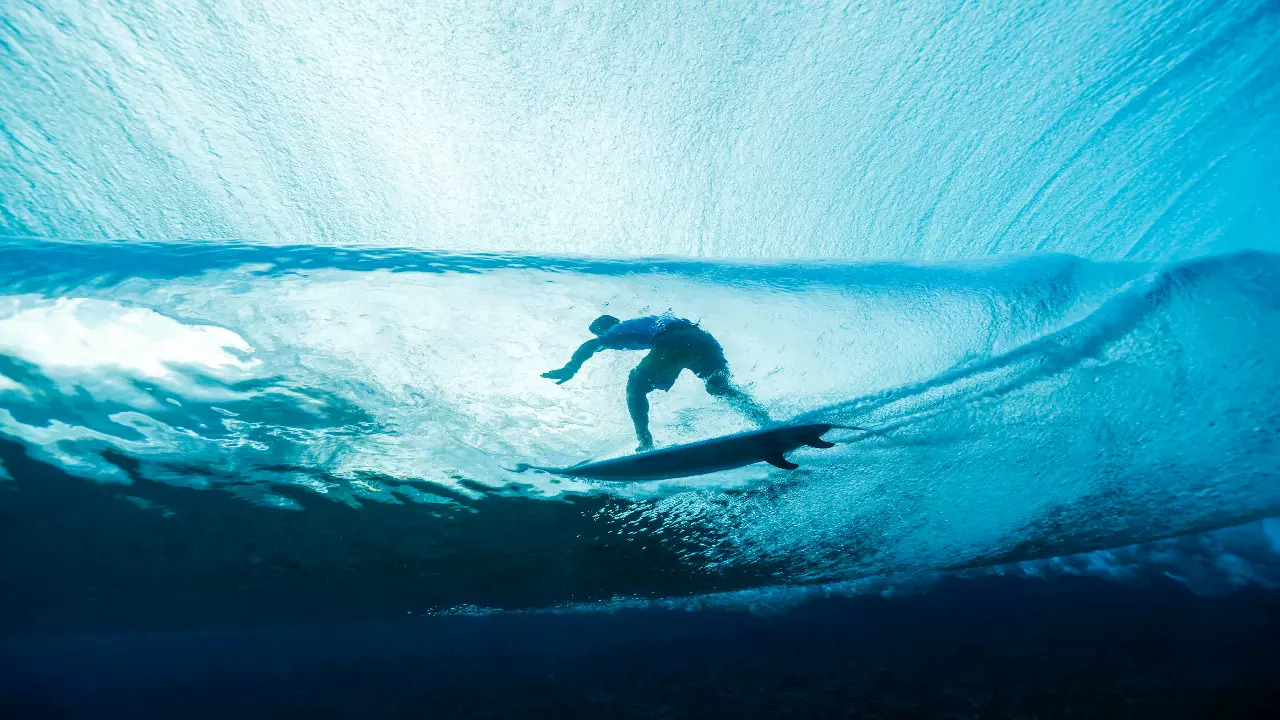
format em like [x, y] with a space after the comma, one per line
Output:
[1019, 408]
[928, 131]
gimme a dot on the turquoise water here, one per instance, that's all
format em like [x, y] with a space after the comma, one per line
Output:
[878, 130]
[309, 255]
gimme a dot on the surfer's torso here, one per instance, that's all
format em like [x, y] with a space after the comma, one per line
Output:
[640, 333]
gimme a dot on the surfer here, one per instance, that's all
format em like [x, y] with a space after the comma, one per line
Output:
[674, 345]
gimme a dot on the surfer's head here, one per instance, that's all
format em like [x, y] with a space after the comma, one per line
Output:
[601, 325]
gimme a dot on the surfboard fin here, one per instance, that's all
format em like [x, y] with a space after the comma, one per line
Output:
[818, 442]
[777, 460]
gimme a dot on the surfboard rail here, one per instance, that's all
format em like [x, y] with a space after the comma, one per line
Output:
[769, 444]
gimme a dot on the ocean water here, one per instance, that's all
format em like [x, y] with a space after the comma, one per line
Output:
[278, 282]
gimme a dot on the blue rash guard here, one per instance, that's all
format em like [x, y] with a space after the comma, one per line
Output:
[639, 333]
[674, 344]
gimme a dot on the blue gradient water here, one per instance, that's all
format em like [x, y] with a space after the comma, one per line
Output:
[260, 249]
[927, 130]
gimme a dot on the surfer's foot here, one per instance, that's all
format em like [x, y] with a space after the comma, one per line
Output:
[646, 443]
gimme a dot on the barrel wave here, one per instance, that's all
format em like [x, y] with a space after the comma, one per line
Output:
[1019, 408]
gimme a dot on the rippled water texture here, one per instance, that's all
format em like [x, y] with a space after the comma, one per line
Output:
[925, 130]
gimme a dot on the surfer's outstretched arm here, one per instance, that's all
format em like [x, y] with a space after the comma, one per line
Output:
[581, 355]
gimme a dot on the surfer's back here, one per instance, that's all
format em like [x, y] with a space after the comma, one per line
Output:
[637, 333]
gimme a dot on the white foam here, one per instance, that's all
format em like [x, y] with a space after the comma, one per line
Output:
[78, 337]
[111, 351]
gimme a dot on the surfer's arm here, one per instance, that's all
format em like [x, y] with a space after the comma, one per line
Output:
[584, 351]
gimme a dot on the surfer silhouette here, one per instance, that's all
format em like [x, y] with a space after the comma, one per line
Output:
[674, 345]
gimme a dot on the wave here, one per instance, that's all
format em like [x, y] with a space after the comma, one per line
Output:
[1024, 407]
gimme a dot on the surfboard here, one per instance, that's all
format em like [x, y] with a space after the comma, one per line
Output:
[768, 444]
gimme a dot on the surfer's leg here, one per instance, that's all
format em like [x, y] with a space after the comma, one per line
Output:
[707, 361]
[638, 387]
[719, 385]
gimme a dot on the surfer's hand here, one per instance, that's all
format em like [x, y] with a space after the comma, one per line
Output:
[560, 376]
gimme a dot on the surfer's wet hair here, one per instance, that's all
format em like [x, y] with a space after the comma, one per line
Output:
[603, 323]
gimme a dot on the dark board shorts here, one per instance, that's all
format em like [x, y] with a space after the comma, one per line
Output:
[681, 346]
